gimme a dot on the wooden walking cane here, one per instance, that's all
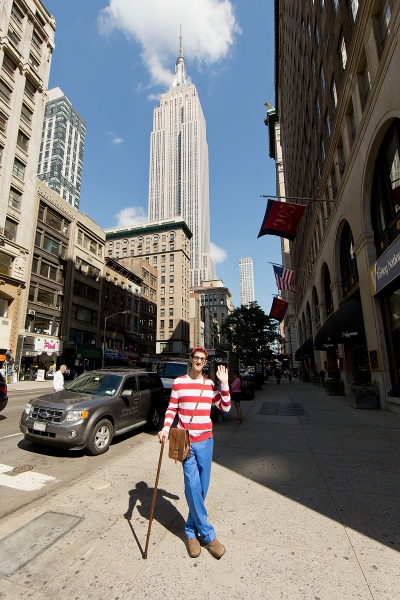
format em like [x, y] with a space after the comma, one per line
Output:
[153, 502]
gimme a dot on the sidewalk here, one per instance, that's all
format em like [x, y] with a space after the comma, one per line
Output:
[30, 386]
[307, 507]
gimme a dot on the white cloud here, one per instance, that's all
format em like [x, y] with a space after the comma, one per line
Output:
[218, 254]
[131, 216]
[115, 139]
[208, 30]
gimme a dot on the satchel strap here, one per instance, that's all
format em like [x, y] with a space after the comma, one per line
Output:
[197, 403]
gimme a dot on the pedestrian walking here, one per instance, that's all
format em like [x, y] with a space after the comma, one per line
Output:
[58, 379]
[236, 394]
[278, 375]
[197, 466]
[290, 375]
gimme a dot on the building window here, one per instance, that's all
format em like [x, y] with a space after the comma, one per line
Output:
[14, 198]
[162, 291]
[171, 300]
[5, 92]
[384, 19]
[385, 207]
[19, 169]
[10, 229]
[365, 83]
[37, 42]
[171, 289]
[322, 79]
[26, 114]
[9, 66]
[162, 324]
[171, 323]
[353, 9]
[16, 14]
[22, 141]
[348, 262]
[5, 264]
[3, 122]
[342, 52]
[30, 90]
[171, 257]
[328, 125]
[334, 94]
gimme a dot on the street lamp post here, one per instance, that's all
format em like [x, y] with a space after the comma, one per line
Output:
[121, 312]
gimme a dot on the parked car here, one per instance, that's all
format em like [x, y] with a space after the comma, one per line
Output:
[170, 370]
[3, 393]
[94, 408]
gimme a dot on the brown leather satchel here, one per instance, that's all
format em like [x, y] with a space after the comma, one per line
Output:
[179, 439]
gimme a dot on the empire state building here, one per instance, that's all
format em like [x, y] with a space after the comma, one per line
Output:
[178, 183]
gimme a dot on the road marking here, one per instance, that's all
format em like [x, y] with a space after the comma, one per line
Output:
[8, 436]
[26, 482]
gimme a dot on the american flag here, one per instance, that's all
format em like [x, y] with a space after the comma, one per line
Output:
[284, 278]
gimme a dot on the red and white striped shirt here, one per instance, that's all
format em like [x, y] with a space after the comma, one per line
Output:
[184, 396]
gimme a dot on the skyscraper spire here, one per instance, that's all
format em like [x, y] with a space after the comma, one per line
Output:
[180, 69]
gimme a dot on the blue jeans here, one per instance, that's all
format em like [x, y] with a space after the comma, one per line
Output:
[197, 471]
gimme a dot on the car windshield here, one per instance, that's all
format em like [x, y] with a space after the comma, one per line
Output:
[100, 384]
[172, 370]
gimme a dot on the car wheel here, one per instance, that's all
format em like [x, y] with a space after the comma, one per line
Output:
[154, 418]
[100, 438]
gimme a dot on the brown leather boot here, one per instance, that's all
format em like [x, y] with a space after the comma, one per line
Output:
[194, 547]
[216, 549]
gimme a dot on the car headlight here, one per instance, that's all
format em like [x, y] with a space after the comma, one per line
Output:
[76, 415]
[28, 408]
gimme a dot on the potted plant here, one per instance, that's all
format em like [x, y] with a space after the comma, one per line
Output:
[366, 393]
[334, 386]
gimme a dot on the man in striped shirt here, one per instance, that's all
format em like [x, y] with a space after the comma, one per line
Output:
[185, 393]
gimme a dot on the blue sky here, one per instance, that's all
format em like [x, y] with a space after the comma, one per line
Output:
[112, 60]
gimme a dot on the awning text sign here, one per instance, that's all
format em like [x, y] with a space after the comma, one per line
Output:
[386, 268]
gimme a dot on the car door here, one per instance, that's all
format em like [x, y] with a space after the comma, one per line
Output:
[145, 395]
[130, 405]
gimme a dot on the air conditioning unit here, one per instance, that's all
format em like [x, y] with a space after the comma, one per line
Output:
[31, 312]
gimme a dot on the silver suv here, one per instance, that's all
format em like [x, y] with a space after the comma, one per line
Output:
[94, 408]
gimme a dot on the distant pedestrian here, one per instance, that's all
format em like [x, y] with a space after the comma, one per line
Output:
[236, 394]
[290, 375]
[278, 375]
[58, 379]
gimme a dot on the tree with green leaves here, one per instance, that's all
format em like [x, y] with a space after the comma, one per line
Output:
[252, 335]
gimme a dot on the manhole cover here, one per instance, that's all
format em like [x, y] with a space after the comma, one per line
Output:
[30, 540]
[23, 469]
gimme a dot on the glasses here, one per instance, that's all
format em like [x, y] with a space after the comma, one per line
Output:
[199, 359]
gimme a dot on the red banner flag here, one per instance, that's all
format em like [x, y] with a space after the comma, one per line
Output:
[282, 218]
[278, 309]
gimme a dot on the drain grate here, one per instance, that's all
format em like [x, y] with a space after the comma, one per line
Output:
[281, 409]
[30, 540]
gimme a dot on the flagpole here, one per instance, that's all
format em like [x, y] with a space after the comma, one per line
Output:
[298, 198]
[289, 268]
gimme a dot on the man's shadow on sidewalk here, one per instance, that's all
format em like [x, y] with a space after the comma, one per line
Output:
[164, 511]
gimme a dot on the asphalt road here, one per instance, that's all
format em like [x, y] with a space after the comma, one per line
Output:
[51, 468]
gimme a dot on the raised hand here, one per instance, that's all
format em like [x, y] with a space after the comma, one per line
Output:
[222, 374]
